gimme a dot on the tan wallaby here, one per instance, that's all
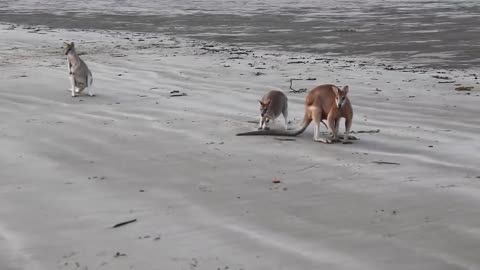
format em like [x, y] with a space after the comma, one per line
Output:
[80, 75]
[272, 105]
[322, 102]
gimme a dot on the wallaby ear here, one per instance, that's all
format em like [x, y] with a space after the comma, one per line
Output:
[72, 44]
[65, 43]
[261, 103]
[335, 90]
[345, 89]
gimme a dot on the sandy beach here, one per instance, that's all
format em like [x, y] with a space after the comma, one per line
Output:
[406, 195]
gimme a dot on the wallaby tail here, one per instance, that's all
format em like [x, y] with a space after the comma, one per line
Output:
[291, 133]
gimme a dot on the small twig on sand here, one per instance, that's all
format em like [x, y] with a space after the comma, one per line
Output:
[386, 162]
[446, 82]
[301, 90]
[118, 254]
[124, 223]
[178, 95]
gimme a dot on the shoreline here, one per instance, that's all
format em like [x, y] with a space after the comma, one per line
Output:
[404, 44]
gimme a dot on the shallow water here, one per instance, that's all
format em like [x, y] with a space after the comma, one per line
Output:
[442, 34]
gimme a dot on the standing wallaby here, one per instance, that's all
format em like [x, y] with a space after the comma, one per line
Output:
[322, 102]
[272, 105]
[80, 75]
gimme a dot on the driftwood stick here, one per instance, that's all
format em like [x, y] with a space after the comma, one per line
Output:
[301, 90]
[124, 223]
[386, 162]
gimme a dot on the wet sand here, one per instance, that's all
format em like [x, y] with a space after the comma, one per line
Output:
[404, 196]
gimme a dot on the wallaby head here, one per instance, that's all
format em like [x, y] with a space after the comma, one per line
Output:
[264, 112]
[67, 47]
[340, 96]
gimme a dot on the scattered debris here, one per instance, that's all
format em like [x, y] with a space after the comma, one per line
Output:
[118, 55]
[296, 62]
[345, 30]
[118, 254]
[276, 181]
[124, 223]
[441, 77]
[464, 88]
[446, 82]
[258, 73]
[176, 93]
[446, 186]
[386, 162]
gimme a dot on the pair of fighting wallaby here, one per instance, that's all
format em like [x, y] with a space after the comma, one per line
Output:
[80, 76]
[323, 102]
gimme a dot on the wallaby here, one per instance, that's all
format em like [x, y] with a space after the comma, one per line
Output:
[322, 102]
[272, 105]
[80, 76]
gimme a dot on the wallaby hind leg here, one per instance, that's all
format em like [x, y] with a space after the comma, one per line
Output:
[90, 91]
[89, 86]
[337, 126]
[72, 84]
[346, 137]
[331, 125]
[317, 118]
[285, 116]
